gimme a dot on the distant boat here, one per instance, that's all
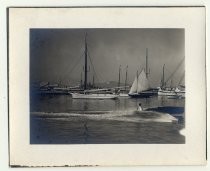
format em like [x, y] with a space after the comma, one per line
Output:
[123, 95]
[123, 91]
[91, 94]
[94, 94]
[163, 90]
[180, 91]
[169, 91]
[176, 92]
[166, 92]
[140, 87]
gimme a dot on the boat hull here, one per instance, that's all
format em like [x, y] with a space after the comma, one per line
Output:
[93, 96]
[166, 93]
[171, 93]
[123, 95]
[146, 94]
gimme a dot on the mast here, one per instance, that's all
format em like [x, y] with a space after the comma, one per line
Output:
[163, 79]
[171, 83]
[126, 76]
[137, 74]
[85, 81]
[93, 81]
[147, 72]
[119, 76]
[81, 81]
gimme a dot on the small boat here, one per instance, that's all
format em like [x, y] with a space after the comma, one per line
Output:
[177, 92]
[166, 92]
[140, 87]
[163, 90]
[122, 91]
[171, 92]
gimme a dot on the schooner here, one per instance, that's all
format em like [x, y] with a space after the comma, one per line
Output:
[94, 93]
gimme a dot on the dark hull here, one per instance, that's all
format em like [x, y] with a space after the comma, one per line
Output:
[146, 94]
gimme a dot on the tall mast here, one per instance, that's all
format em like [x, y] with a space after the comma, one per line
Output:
[147, 72]
[119, 76]
[137, 74]
[171, 83]
[85, 81]
[126, 76]
[163, 79]
[93, 81]
[81, 81]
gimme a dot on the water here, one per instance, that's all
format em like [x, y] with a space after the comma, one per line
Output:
[63, 120]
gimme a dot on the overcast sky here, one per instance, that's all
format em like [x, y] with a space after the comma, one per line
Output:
[58, 54]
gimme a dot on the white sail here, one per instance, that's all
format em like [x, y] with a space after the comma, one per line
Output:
[140, 84]
[143, 83]
[134, 86]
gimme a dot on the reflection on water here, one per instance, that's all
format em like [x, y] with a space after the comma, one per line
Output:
[63, 120]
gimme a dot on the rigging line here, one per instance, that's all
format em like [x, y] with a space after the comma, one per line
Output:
[69, 72]
[93, 68]
[168, 71]
[97, 75]
[181, 78]
[176, 69]
[64, 67]
[57, 75]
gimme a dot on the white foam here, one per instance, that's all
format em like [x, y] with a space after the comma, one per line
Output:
[126, 116]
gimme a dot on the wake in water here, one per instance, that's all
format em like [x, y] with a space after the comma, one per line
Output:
[126, 116]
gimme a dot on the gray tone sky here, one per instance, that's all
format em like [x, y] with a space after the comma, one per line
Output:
[57, 54]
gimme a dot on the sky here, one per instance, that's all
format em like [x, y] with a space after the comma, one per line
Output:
[57, 55]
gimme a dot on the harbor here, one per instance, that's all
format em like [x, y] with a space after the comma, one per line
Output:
[129, 100]
[140, 87]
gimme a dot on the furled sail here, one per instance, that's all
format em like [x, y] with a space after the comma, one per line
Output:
[140, 84]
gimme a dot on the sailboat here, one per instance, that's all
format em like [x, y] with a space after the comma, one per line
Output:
[163, 90]
[123, 90]
[173, 92]
[180, 90]
[91, 94]
[140, 87]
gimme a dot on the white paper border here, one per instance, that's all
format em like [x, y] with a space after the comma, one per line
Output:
[22, 153]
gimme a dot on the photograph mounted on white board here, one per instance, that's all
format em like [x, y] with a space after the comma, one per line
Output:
[107, 86]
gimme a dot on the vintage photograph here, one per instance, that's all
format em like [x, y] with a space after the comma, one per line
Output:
[107, 85]
[118, 86]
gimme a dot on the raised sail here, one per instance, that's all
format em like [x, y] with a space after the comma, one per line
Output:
[143, 83]
[140, 83]
[140, 87]
[134, 86]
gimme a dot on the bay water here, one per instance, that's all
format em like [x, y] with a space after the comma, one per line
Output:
[59, 119]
